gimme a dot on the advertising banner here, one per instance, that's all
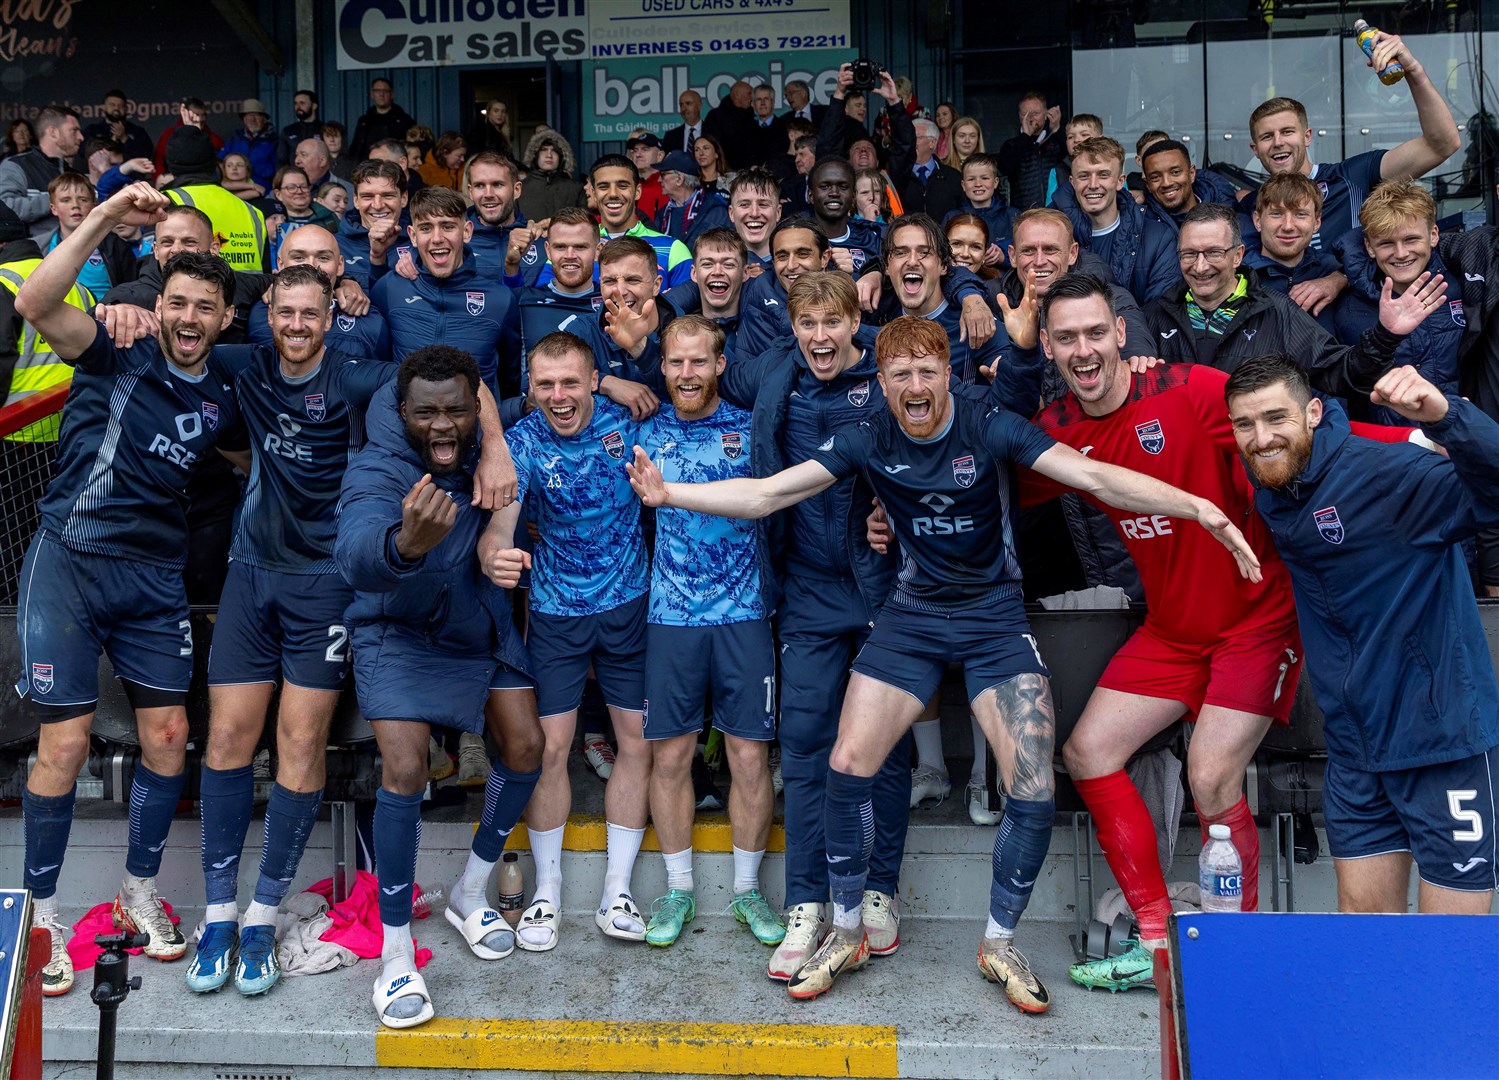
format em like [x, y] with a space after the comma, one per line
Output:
[481, 33]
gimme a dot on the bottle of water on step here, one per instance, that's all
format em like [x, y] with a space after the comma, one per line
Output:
[1220, 872]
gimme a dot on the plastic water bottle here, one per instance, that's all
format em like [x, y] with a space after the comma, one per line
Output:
[1392, 72]
[1220, 873]
[512, 898]
[426, 902]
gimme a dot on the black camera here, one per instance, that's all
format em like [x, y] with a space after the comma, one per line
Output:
[866, 75]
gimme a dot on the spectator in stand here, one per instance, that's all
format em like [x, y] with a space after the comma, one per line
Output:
[644, 149]
[20, 137]
[1287, 214]
[871, 198]
[928, 186]
[1027, 159]
[905, 90]
[333, 198]
[383, 120]
[691, 210]
[335, 139]
[444, 165]
[312, 158]
[297, 208]
[967, 139]
[841, 128]
[109, 264]
[968, 236]
[731, 123]
[191, 113]
[1080, 128]
[304, 103]
[983, 199]
[550, 184]
[798, 96]
[99, 157]
[234, 176]
[785, 167]
[257, 140]
[945, 116]
[685, 135]
[713, 168]
[24, 177]
[239, 226]
[114, 126]
[767, 138]
[1135, 181]
[492, 132]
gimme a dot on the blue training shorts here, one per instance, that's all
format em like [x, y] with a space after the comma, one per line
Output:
[735, 661]
[1444, 815]
[73, 606]
[910, 649]
[398, 675]
[273, 625]
[563, 646]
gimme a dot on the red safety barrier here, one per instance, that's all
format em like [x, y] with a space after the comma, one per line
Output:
[26, 1058]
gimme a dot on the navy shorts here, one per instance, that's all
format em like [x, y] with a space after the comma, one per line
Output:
[1442, 814]
[910, 649]
[399, 676]
[273, 625]
[563, 646]
[736, 662]
[73, 606]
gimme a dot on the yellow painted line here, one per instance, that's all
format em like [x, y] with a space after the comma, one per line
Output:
[586, 832]
[578, 1046]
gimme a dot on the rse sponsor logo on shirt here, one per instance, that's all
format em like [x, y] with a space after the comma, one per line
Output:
[189, 427]
[1144, 528]
[614, 443]
[1152, 438]
[1329, 524]
[939, 524]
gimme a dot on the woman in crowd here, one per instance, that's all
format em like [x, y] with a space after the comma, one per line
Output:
[947, 113]
[967, 140]
[443, 167]
[492, 132]
[333, 197]
[549, 163]
[235, 170]
[968, 235]
[20, 136]
[715, 171]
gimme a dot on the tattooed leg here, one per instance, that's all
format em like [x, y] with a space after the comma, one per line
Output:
[1018, 718]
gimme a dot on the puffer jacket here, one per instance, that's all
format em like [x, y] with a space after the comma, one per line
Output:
[544, 193]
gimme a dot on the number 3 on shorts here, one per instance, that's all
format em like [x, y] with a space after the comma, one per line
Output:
[1471, 818]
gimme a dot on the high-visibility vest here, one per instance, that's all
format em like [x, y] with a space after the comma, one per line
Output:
[38, 368]
[238, 226]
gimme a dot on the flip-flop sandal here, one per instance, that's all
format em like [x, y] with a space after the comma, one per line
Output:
[541, 915]
[624, 907]
[388, 991]
[482, 922]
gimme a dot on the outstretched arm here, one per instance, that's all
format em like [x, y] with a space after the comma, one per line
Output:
[1126, 489]
[1439, 139]
[747, 497]
[42, 299]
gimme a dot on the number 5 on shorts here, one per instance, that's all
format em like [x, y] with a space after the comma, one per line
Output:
[1455, 800]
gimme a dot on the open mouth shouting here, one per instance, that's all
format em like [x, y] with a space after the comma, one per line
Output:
[1087, 375]
[717, 289]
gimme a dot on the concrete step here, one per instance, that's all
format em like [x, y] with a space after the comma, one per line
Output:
[701, 1008]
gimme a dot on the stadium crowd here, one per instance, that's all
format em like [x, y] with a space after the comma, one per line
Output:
[396, 400]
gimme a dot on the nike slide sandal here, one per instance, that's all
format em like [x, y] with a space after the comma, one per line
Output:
[389, 991]
[480, 924]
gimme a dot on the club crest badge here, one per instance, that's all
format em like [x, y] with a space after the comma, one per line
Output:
[614, 443]
[598, 303]
[41, 678]
[1152, 438]
[1329, 524]
[1455, 309]
[858, 396]
[733, 444]
[475, 303]
[963, 470]
[345, 323]
[211, 415]
[316, 408]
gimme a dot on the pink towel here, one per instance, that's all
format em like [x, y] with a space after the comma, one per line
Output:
[356, 922]
[99, 920]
